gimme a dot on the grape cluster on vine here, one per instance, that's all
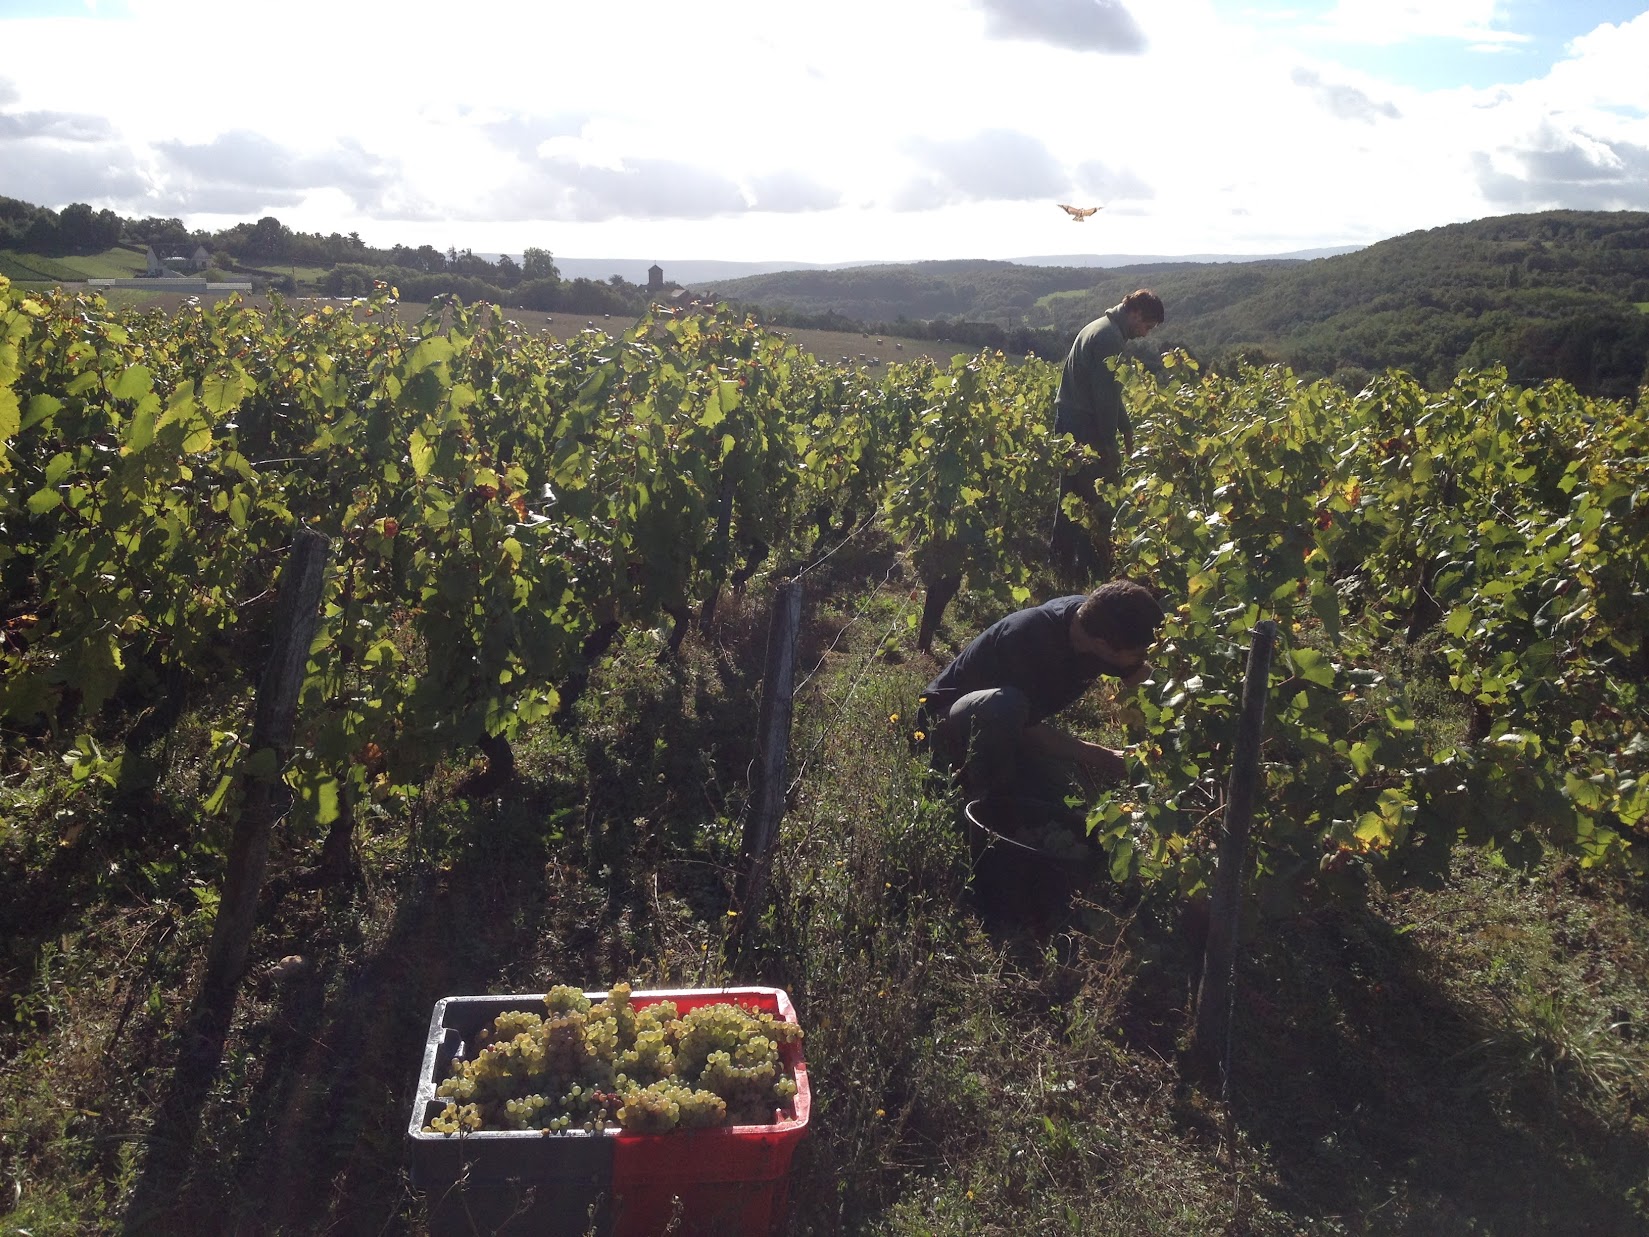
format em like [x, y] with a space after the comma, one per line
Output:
[648, 1069]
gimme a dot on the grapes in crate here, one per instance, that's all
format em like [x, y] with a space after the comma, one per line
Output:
[648, 1069]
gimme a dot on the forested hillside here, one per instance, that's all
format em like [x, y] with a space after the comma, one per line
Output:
[1560, 294]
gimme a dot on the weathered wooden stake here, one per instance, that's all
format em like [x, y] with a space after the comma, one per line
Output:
[297, 611]
[761, 827]
[160, 1201]
[1220, 954]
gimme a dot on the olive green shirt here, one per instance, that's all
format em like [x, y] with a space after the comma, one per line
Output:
[1089, 404]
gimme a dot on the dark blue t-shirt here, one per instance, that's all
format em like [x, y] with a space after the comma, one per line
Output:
[1031, 650]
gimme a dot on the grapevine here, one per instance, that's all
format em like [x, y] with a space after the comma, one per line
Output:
[499, 505]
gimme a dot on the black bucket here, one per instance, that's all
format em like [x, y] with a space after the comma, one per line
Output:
[1016, 876]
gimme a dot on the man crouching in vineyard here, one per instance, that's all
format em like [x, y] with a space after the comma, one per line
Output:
[1089, 407]
[986, 713]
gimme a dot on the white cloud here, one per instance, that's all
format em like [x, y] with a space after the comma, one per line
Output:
[1345, 102]
[788, 190]
[1111, 184]
[1606, 68]
[1076, 25]
[928, 128]
[998, 165]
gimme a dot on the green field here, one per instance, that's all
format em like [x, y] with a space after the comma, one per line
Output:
[303, 274]
[111, 264]
[33, 268]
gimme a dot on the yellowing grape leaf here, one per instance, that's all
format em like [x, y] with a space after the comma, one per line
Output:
[423, 455]
[11, 422]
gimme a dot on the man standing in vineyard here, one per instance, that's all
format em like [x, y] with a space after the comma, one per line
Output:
[986, 713]
[1089, 408]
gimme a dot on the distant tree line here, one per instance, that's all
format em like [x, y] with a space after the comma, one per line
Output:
[1015, 341]
[351, 266]
[76, 229]
[423, 272]
[548, 294]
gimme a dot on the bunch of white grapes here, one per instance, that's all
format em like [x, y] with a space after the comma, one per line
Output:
[649, 1070]
[1058, 840]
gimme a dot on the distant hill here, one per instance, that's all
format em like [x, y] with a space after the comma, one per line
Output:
[1124, 259]
[1550, 295]
[694, 272]
[687, 272]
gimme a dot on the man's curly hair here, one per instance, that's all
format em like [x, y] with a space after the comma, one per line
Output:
[1122, 613]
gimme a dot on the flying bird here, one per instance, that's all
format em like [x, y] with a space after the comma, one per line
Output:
[1079, 213]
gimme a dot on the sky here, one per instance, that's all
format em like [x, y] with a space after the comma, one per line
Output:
[836, 132]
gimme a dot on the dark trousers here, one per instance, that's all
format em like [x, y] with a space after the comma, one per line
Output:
[982, 738]
[1078, 553]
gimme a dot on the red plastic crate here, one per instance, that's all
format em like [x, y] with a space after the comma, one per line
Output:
[731, 1182]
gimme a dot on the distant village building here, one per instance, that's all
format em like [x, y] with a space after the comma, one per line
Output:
[655, 278]
[176, 260]
[688, 301]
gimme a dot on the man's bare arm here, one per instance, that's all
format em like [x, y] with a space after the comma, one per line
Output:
[1055, 743]
[1136, 676]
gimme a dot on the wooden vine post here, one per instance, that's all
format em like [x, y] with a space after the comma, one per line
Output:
[1225, 908]
[761, 826]
[297, 611]
[160, 1200]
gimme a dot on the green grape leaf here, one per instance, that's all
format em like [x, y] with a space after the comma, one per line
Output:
[134, 382]
[422, 454]
[432, 350]
[41, 408]
[222, 392]
[11, 422]
[1374, 829]
[141, 430]
[96, 671]
[1398, 722]
[198, 439]
[262, 765]
[42, 501]
[728, 397]
[1325, 604]
[1124, 862]
[1313, 666]
[320, 795]
[219, 797]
